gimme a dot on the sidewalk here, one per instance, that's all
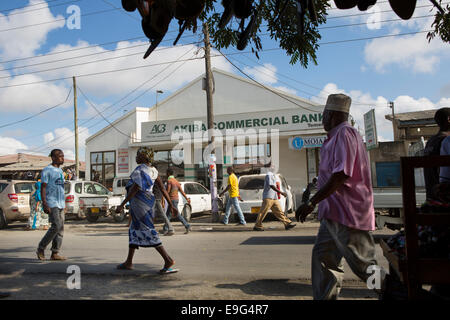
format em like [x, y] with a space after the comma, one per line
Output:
[203, 223]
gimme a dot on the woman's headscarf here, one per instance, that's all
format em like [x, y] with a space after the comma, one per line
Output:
[148, 152]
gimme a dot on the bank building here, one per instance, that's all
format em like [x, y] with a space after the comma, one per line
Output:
[254, 125]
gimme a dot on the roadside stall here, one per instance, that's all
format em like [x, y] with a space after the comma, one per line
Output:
[419, 255]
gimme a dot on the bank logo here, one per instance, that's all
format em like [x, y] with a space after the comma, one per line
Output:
[298, 143]
[158, 128]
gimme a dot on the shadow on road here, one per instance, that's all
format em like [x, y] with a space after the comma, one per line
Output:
[272, 288]
[279, 240]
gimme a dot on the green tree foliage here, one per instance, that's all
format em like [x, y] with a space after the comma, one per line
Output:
[283, 28]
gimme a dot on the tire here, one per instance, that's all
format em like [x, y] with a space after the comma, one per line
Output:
[90, 217]
[80, 215]
[129, 5]
[187, 211]
[3, 222]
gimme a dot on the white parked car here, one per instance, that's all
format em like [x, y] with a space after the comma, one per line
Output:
[119, 185]
[251, 189]
[200, 199]
[94, 197]
[15, 200]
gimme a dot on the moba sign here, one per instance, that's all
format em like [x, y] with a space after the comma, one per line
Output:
[299, 143]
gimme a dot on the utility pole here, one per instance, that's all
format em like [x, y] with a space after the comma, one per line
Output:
[75, 116]
[394, 128]
[210, 117]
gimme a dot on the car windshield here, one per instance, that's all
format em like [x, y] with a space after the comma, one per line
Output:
[24, 187]
[251, 183]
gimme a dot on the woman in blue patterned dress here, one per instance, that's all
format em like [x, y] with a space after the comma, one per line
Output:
[142, 232]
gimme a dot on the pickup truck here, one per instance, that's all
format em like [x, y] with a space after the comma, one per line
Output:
[388, 204]
[100, 206]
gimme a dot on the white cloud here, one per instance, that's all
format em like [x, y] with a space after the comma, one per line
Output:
[287, 90]
[409, 52]
[157, 70]
[11, 146]
[31, 98]
[23, 42]
[64, 139]
[265, 74]
[364, 102]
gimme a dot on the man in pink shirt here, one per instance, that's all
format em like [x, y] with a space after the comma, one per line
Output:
[345, 201]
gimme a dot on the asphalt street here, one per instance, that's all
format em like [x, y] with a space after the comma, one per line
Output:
[216, 262]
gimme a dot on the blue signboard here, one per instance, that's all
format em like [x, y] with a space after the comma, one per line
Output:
[297, 143]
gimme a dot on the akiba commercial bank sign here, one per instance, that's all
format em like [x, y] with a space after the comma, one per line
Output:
[283, 120]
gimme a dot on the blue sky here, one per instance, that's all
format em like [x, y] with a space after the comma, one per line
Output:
[405, 69]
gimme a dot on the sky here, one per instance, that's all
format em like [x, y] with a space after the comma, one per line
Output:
[373, 56]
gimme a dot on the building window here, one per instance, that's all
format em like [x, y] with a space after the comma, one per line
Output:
[173, 159]
[103, 167]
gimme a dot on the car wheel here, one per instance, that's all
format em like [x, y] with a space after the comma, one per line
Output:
[91, 217]
[187, 211]
[3, 222]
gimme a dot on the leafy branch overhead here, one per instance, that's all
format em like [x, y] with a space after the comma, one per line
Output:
[294, 24]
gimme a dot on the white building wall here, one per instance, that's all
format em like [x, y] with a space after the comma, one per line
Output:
[293, 166]
[232, 95]
[110, 139]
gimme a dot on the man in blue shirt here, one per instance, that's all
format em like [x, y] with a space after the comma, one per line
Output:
[53, 202]
[270, 202]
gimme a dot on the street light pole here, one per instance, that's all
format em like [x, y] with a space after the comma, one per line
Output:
[391, 105]
[156, 105]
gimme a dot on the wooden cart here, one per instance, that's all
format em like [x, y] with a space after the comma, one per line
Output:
[414, 271]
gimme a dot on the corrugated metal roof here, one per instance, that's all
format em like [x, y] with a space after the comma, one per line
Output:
[411, 116]
[23, 161]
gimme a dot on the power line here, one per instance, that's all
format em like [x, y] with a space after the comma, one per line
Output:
[365, 23]
[273, 49]
[382, 11]
[85, 63]
[130, 39]
[98, 73]
[74, 49]
[31, 5]
[262, 85]
[46, 7]
[57, 20]
[44, 146]
[292, 79]
[37, 114]
[123, 11]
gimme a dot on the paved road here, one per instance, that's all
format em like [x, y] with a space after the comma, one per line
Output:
[216, 262]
